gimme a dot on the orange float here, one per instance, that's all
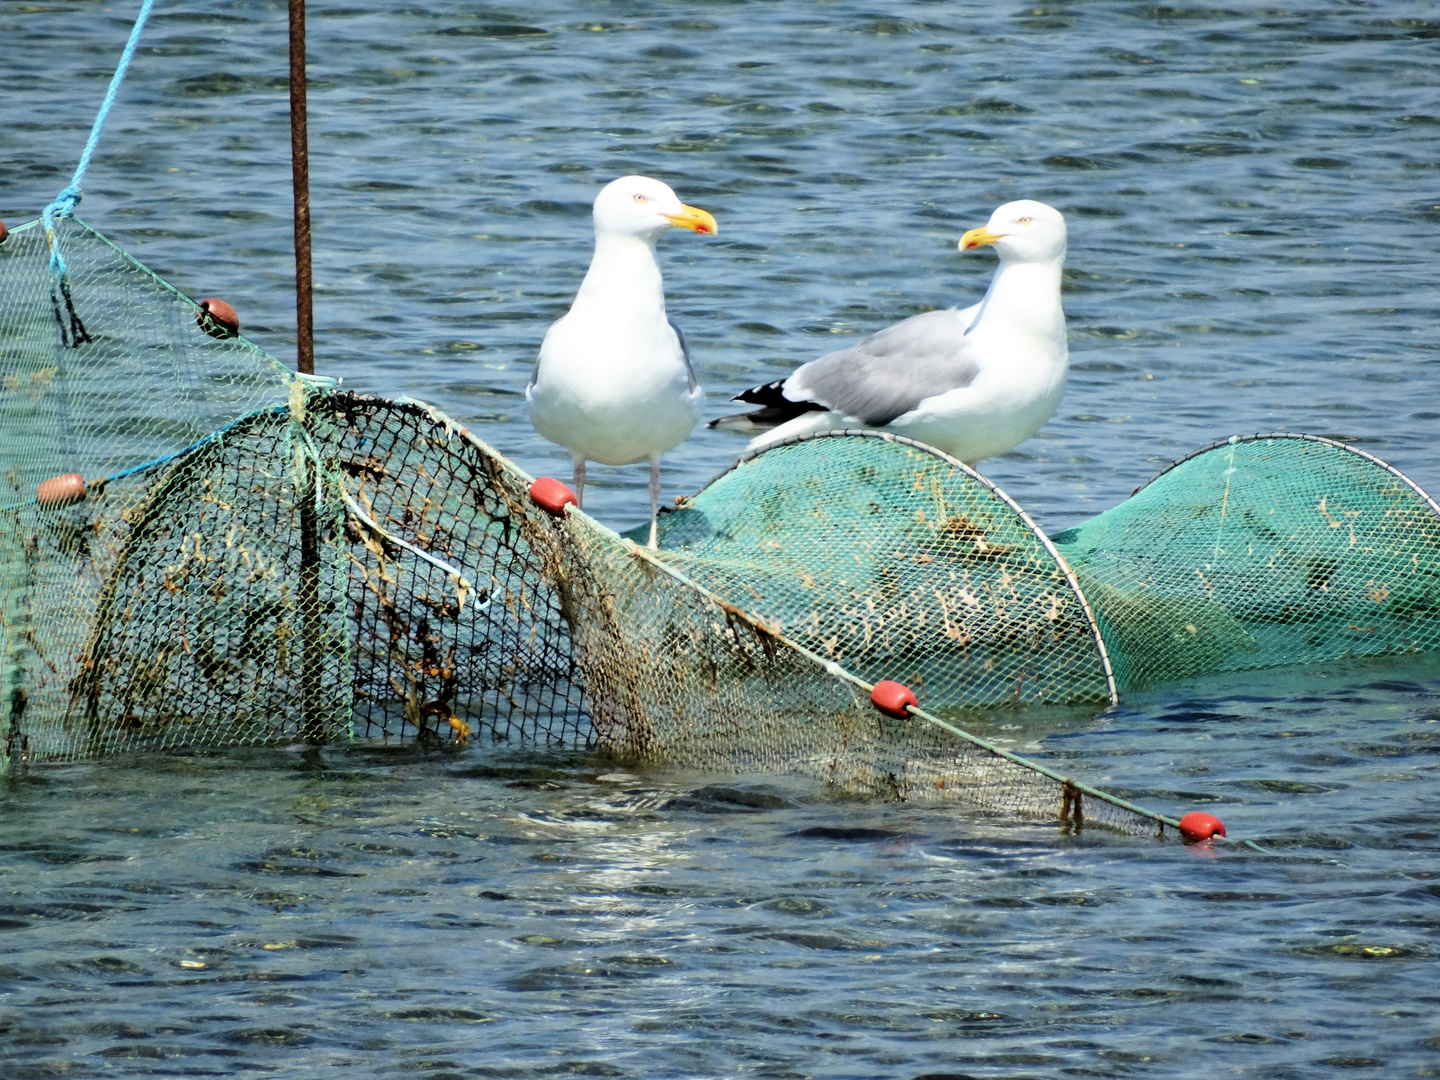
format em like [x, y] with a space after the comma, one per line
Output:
[218, 319]
[552, 496]
[893, 698]
[1197, 825]
[60, 491]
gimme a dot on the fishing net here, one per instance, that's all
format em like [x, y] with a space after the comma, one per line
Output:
[105, 376]
[1260, 551]
[249, 557]
[900, 563]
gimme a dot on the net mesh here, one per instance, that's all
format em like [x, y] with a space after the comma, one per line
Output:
[899, 562]
[1260, 551]
[257, 558]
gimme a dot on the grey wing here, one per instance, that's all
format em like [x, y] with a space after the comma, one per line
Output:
[891, 372]
[535, 371]
[685, 351]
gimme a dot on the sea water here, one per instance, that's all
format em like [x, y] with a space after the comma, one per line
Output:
[1252, 195]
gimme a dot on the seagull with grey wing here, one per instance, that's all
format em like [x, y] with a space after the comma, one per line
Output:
[973, 382]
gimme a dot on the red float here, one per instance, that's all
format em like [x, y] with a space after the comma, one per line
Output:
[1196, 826]
[4, 232]
[60, 490]
[893, 698]
[552, 496]
[217, 318]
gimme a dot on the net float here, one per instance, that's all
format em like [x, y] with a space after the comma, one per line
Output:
[4, 232]
[217, 318]
[552, 496]
[60, 490]
[1197, 825]
[893, 698]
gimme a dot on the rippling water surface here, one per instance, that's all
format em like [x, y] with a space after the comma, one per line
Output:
[1253, 196]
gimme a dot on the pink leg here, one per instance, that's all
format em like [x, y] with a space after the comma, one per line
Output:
[580, 481]
[654, 499]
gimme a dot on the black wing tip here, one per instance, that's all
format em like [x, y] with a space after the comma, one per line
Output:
[771, 393]
[771, 416]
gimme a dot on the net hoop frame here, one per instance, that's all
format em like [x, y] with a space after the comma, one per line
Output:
[1111, 687]
[1235, 440]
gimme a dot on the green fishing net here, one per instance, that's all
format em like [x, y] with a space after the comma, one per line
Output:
[900, 563]
[250, 557]
[1260, 551]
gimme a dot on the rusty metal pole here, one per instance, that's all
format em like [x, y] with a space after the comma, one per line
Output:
[312, 663]
[300, 170]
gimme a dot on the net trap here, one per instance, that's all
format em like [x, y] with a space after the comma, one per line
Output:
[202, 549]
[199, 548]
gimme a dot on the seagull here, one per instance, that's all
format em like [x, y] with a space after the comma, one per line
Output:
[614, 382]
[973, 382]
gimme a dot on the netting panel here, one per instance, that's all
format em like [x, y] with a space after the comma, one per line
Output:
[899, 563]
[203, 624]
[675, 673]
[1259, 552]
[426, 665]
[199, 637]
[147, 383]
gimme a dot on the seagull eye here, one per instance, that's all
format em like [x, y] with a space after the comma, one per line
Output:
[639, 198]
[1024, 221]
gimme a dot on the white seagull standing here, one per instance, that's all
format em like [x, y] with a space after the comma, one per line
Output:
[974, 382]
[614, 382]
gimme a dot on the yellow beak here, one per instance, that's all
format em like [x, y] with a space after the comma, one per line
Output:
[694, 219]
[978, 238]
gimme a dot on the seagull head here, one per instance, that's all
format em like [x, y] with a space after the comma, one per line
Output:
[1022, 231]
[641, 207]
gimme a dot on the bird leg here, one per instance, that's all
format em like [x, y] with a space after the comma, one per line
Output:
[654, 499]
[579, 482]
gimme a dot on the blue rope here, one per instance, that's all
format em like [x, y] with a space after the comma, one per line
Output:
[65, 202]
[214, 436]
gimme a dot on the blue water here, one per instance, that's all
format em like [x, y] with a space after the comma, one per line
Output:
[1252, 197]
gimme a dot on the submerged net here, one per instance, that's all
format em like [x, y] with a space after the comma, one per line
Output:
[900, 563]
[1260, 551]
[256, 558]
